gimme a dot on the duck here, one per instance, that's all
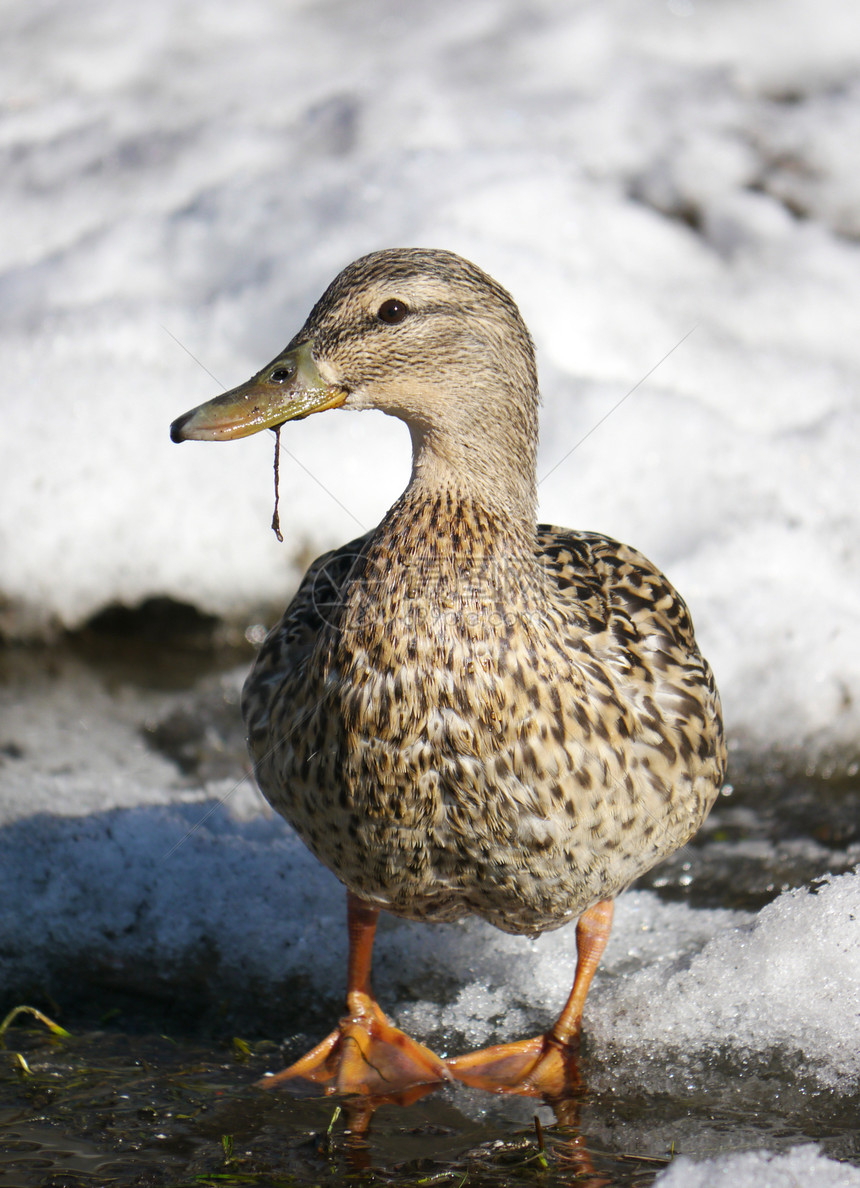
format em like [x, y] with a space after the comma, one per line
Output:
[463, 711]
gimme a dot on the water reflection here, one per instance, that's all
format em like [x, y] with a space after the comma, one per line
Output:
[558, 1143]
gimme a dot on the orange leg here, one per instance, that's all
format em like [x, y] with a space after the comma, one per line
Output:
[366, 1053]
[545, 1066]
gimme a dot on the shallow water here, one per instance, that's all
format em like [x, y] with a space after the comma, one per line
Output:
[106, 1108]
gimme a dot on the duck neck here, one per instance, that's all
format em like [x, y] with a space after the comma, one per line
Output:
[446, 537]
[491, 468]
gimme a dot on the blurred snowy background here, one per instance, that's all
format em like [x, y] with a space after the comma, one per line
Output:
[671, 191]
[631, 171]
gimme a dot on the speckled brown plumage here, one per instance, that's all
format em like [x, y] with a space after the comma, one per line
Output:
[456, 723]
[461, 711]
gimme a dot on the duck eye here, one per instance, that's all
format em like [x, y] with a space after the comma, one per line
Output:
[392, 311]
[282, 374]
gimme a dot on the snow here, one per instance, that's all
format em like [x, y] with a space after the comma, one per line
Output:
[671, 193]
[667, 190]
[786, 980]
[761, 1169]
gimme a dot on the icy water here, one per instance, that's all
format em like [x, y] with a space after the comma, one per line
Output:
[107, 1108]
[145, 1093]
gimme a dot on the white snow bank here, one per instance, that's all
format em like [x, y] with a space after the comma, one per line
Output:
[787, 981]
[761, 1169]
[629, 172]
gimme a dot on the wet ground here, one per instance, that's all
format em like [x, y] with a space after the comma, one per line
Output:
[142, 1095]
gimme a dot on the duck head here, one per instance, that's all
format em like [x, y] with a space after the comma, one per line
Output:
[422, 335]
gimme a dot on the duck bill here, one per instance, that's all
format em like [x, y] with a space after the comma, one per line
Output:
[288, 389]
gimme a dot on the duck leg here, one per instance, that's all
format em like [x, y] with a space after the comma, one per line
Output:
[545, 1066]
[365, 1053]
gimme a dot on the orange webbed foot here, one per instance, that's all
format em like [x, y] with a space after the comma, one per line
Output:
[542, 1066]
[366, 1054]
[546, 1065]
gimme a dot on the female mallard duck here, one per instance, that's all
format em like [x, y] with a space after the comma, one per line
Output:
[463, 711]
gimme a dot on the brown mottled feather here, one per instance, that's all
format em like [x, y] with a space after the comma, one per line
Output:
[460, 712]
[456, 730]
